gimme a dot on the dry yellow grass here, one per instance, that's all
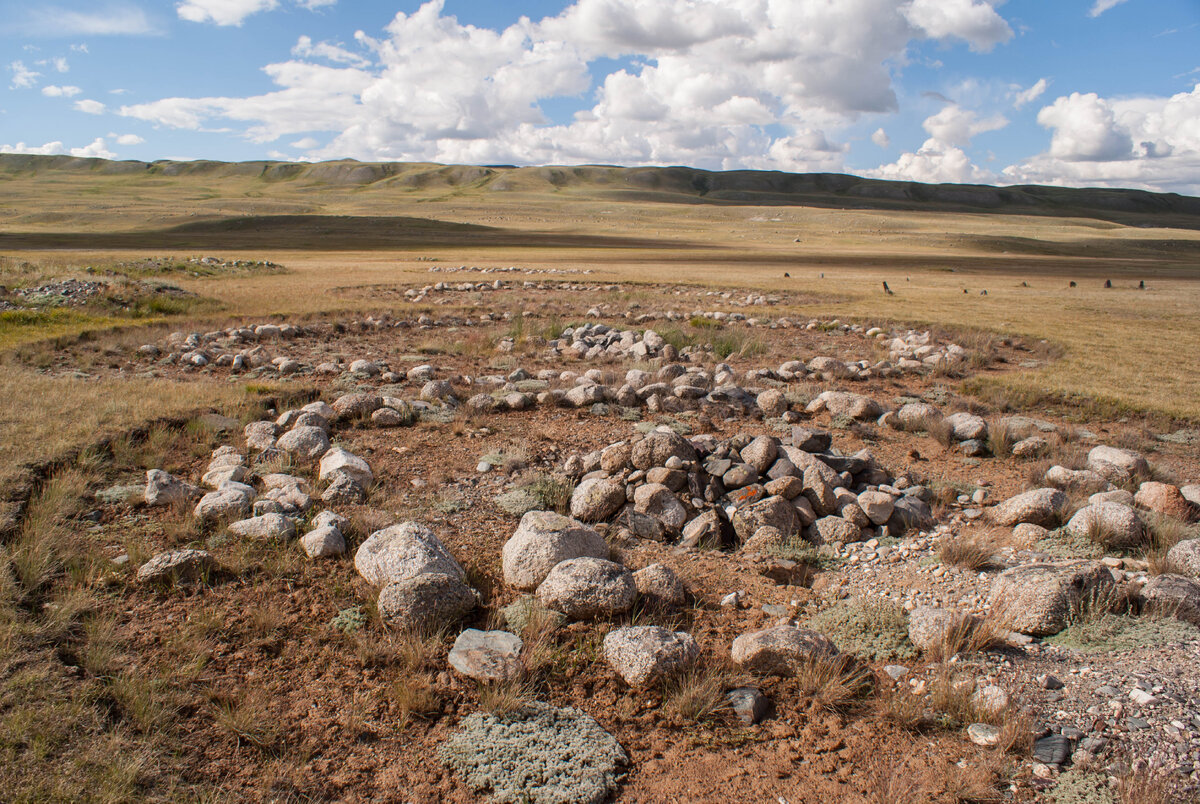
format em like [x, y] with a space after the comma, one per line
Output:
[1122, 346]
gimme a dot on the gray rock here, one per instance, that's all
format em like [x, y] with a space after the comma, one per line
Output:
[760, 453]
[1173, 596]
[967, 426]
[343, 490]
[772, 403]
[659, 585]
[775, 512]
[831, 529]
[916, 416]
[1111, 524]
[983, 734]
[808, 439]
[337, 461]
[323, 542]
[304, 443]
[356, 405]
[1083, 480]
[749, 704]
[1037, 599]
[596, 499]
[489, 656]
[661, 503]
[1045, 507]
[928, 626]
[877, 505]
[401, 552]
[588, 588]
[704, 529]
[780, 650]
[260, 435]
[657, 447]
[1118, 465]
[425, 602]
[163, 489]
[541, 541]
[230, 502]
[644, 654]
[266, 527]
[177, 566]
[1184, 558]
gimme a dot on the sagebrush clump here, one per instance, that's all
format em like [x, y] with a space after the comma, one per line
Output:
[539, 754]
[873, 629]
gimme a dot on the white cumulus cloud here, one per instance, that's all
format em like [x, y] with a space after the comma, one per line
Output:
[934, 162]
[957, 126]
[97, 149]
[1027, 96]
[40, 150]
[102, 19]
[89, 106]
[1146, 142]
[22, 76]
[53, 91]
[713, 83]
[127, 139]
[881, 138]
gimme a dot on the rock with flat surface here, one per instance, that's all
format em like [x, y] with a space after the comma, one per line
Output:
[775, 512]
[305, 443]
[643, 654]
[1173, 596]
[1037, 599]
[542, 540]
[660, 502]
[1045, 507]
[339, 461]
[224, 504]
[967, 426]
[1116, 464]
[658, 584]
[1165, 499]
[490, 656]
[266, 527]
[658, 447]
[780, 650]
[401, 552]
[177, 566]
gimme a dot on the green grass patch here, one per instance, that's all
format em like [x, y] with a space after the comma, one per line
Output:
[1115, 633]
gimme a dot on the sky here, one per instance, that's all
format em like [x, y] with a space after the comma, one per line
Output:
[1063, 92]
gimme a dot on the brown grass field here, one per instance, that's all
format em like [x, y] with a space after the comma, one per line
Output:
[1124, 351]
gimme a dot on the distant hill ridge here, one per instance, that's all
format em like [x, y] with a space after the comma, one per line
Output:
[664, 184]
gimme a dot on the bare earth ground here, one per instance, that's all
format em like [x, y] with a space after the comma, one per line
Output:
[239, 689]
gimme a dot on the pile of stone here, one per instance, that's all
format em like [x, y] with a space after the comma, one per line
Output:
[759, 492]
[918, 350]
[236, 348]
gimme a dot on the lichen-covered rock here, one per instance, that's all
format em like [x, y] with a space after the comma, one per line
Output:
[760, 453]
[835, 529]
[1116, 464]
[877, 505]
[1045, 507]
[490, 656]
[704, 529]
[1037, 599]
[542, 540]
[658, 447]
[659, 585]
[266, 527]
[401, 552]
[660, 502]
[1084, 480]
[537, 755]
[1173, 596]
[323, 542]
[305, 443]
[1184, 558]
[356, 405]
[1165, 499]
[1031, 447]
[967, 426]
[177, 566]
[773, 511]
[596, 499]
[229, 502]
[1111, 524]
[426, 602]
[780, 650]
[164, 489]
[842, 403]
[339, 461]
[643, 654]
[260, 435]
[588, 588]
[772, 403]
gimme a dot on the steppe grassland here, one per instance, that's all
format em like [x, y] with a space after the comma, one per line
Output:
[1126, 347]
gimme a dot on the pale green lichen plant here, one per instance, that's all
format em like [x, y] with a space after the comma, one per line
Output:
[873, 629]
[1082, 787]
[539, 754]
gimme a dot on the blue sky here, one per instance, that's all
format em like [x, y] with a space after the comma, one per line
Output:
[1073, 92]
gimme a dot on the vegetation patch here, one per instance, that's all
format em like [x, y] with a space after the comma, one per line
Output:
[538, 754]
[1115, 633]
[873, 629]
